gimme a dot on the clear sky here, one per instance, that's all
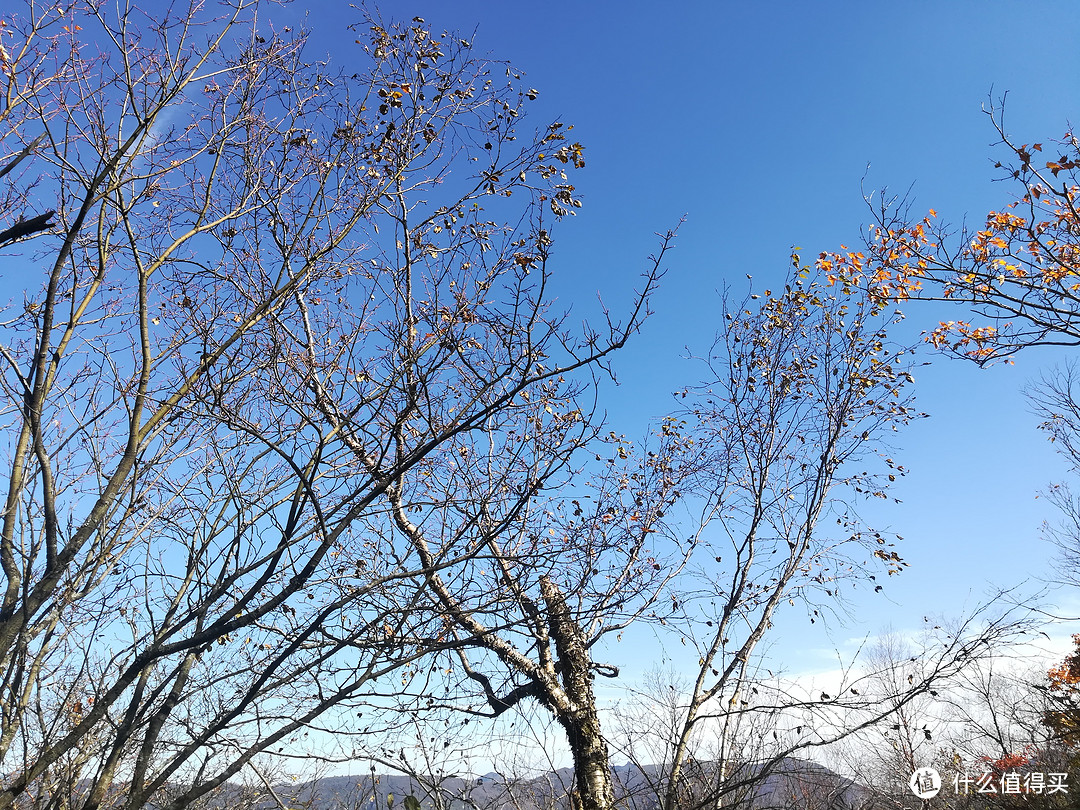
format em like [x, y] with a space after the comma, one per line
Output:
[762, 123]
[758, 121]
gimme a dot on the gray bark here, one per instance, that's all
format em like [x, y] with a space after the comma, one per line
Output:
[592, 768]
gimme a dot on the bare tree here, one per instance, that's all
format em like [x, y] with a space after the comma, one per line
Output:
[199, 567]
[1054, 401]
[806, 392]
[806, 386]
[295, 433]
[805, 389]
[527, 585]
[982, 728]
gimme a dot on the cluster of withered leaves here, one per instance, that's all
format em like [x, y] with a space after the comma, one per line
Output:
[1063, 686]
[1019, 274]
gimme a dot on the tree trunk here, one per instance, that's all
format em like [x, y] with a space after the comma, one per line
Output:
[592, 768]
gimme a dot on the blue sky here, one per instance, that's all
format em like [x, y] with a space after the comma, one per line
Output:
[762, 123]
[758, 121]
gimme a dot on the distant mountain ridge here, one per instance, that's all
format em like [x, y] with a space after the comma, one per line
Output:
[789, 783]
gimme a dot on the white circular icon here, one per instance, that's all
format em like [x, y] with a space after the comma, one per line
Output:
[925, 783]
